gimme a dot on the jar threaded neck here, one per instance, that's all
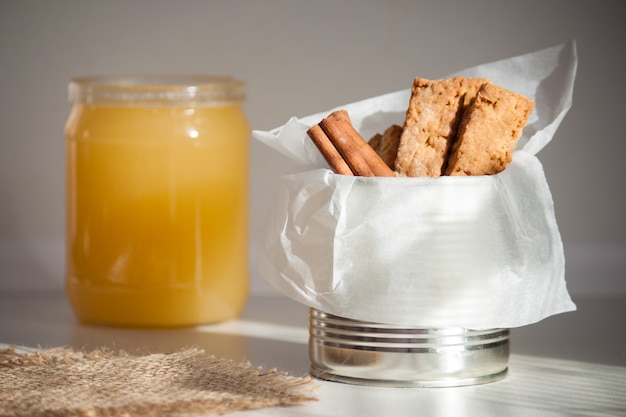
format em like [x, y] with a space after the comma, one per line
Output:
[166, 90]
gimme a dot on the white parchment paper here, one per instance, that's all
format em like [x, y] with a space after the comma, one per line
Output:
[475, 252]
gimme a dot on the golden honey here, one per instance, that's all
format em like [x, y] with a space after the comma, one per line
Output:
[157, 200]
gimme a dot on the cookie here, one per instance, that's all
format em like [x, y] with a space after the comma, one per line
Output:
[489, 131]
[386, 145]
[430, 127]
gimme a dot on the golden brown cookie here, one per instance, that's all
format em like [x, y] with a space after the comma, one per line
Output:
[386, 145]
[434, 112]
[489, 131]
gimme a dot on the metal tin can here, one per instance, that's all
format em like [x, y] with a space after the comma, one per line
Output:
[366, 353]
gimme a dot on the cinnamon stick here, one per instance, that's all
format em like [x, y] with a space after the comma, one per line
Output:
[328, 151]
[378, 167]
[348, 149]
[340, 114]
[344, 149]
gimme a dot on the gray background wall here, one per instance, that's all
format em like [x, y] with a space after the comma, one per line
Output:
[301, 57]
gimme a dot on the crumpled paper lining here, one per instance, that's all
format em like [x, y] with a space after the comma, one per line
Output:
[475, 252]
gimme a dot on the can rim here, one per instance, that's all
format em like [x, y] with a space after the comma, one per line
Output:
[130, 90]
[365, 353]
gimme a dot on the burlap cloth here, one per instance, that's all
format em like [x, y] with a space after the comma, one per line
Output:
[65, 382]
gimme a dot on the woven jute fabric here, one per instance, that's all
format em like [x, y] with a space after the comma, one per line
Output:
[189, 382]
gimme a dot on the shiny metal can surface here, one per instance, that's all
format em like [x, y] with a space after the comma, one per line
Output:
[365, 353]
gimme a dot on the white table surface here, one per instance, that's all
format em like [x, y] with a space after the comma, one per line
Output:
[573, 364]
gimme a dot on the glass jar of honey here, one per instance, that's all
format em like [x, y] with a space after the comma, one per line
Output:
[157, 200]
